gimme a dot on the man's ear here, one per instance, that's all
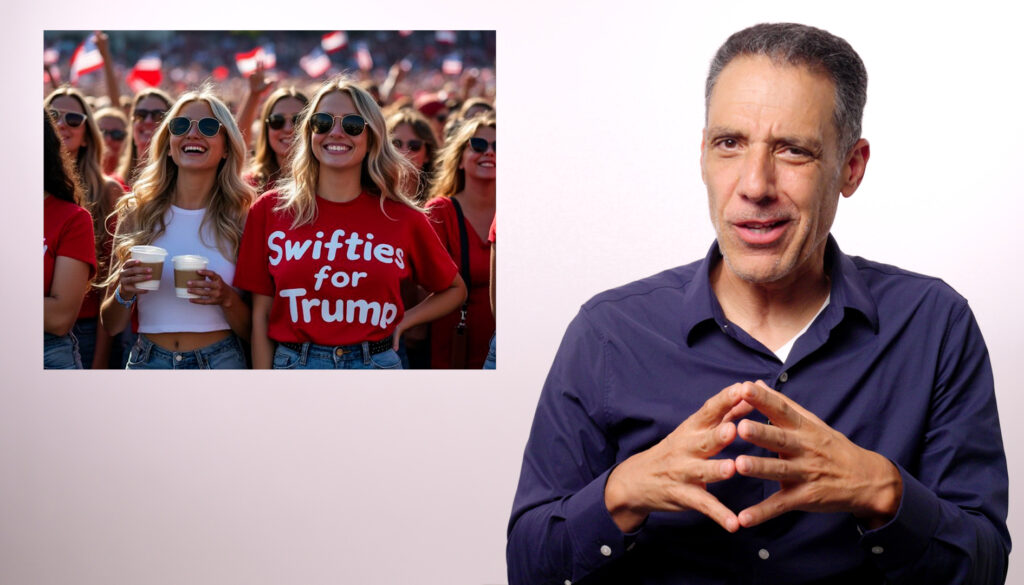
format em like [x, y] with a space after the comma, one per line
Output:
[853, 169]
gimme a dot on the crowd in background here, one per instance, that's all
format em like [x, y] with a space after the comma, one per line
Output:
[369, 187]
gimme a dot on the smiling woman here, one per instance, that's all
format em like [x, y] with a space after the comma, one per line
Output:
[340, 305]
[189, 202]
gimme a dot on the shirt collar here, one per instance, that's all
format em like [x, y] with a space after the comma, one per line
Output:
[849, 291]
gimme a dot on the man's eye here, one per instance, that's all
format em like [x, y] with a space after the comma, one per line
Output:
[795, 152]
[728, 143]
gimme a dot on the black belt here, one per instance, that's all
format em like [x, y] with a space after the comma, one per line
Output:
[376, 347]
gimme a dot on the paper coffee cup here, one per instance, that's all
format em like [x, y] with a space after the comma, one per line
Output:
[152, 257]
[186, 268]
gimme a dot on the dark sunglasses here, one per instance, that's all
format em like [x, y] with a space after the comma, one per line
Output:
[209, 127]
[480, 145]
[115, 134]
[72, 119]
[322, 123]
[141, 114]
[276, 121]
[413, 144]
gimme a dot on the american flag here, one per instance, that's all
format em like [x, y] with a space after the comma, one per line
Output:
[316, 63]
[247, 62]
[86, 59]
[334, 41]
[146, 73]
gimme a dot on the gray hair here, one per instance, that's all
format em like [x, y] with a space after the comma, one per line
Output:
[798, 44]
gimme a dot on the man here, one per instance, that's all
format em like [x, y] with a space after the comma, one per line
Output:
[778, 412]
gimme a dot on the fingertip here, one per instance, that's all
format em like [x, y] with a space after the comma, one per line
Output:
[727, 468]
[742, 464]
[732, 524]
[746, 519]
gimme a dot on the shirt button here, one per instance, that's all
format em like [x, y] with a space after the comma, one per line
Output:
[763, 553]
[784, 376]
[877, 550]
[606, 550]
[177, 358]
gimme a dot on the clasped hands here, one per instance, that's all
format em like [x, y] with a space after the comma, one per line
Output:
[818, 468]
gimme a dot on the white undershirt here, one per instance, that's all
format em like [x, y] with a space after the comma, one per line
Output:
[162, 312]
[783, 352]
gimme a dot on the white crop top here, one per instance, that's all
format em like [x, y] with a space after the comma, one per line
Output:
[160, 311]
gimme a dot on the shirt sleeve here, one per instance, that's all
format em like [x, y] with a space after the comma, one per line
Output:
[252, 271]
[432, 266]
[560, 530]
[950, 527]
[78, 241]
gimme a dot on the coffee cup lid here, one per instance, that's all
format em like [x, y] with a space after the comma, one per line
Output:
[149, 250]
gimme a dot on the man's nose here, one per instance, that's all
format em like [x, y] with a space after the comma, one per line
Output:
[757, 178]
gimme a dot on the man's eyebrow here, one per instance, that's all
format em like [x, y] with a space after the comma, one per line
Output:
[718, 131]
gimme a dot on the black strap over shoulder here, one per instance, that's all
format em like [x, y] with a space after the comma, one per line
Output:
[464, 264]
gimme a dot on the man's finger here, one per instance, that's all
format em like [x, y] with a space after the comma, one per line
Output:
[770, 468]
[739, 411]
[770, 437]
[774, 505]
[714, 410]
[778, 408]
[707, 504]
[713, 470]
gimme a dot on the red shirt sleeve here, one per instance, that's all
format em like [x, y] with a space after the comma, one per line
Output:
[432, 265]
[251, 271]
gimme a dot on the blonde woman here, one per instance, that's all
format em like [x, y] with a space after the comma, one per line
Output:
[324, 255]
[465, 181]
[188, 199]
[277, 127]
[80, 134]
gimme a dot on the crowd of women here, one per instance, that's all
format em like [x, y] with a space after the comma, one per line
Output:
[329, 231]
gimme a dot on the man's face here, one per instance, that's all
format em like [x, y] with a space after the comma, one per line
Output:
[770, 160]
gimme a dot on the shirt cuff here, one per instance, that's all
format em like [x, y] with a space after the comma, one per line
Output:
[595, 537]
[904, 539]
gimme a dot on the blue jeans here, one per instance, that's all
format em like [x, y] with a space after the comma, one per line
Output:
[85, 333]
[340, 357]
[492, 355]
[226, 354]
[60, 352]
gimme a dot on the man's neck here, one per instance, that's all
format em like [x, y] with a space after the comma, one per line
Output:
[772, 313]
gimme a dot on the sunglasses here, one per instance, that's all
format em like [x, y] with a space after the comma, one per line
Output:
[480, 145]
[276, 121]
[116, 135]
[413, 144]
[322, 123]
[72, 119]
[209, 127]
[141, 114]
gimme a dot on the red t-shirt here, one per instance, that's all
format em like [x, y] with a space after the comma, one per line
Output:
[67, 231]
[479, 319]
[336, 281]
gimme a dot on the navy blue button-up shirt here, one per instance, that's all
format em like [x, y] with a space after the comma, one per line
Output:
[895, 362]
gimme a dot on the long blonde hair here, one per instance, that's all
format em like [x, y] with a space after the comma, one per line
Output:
[140, 215]
[384, 169]
[89, 165]
[130, 166]
[264, 165]
[450, 179]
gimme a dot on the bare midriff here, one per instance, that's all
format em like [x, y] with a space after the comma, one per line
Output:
[188, 340]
